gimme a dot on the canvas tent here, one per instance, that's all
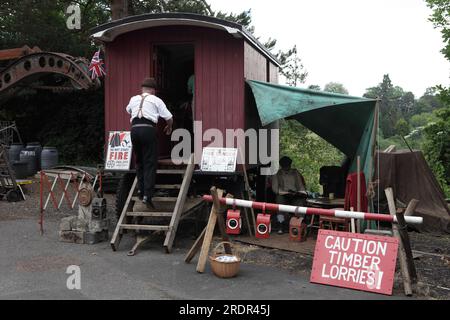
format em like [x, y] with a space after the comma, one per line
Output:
[346, 122]
[411, 178]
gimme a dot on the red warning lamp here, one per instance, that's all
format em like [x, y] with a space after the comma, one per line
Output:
[234, 222]
[263, 225]
[297, 230]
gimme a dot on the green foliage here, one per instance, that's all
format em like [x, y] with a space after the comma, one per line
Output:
[441, 20]
[428, 102]
[292, 67]
[402, 127]
[308, 151]
[71, 122]
[335, 87]
[437, 147]
[422, 119]
[390, 101]
[42, 23]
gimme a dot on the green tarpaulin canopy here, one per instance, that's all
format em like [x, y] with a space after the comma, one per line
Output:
[345, 122]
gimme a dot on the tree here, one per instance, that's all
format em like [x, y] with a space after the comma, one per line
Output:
[335, 87]
[402, 127]
[441, 20]
[437, 143]
[42, 23]
[292, 67]
[407, 104]
[304, 146]
[390, 97]
[427, 103]
[437, 147]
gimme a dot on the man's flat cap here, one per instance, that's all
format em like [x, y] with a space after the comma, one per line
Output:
[149, 83]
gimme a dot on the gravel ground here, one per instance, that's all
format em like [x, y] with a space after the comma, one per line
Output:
[433, 265]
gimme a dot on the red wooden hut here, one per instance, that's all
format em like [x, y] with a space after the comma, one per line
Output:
[171, 47]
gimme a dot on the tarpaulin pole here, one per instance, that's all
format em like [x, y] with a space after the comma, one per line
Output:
[272, 207]
[41, 203]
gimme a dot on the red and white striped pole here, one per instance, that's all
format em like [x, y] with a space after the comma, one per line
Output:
[272, 207]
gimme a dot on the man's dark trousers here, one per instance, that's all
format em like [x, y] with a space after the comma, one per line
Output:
[145, 148]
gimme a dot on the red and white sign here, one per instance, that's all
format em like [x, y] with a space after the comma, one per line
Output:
[355, 261]
[119, 151]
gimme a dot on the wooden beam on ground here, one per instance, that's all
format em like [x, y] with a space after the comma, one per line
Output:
[201, 264]
[196, 247]
[198, 244]
[401, 252]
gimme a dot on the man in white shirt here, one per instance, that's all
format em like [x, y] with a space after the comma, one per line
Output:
[289, 187]
[145, 111]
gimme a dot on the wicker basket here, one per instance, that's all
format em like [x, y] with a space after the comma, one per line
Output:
[224, 269]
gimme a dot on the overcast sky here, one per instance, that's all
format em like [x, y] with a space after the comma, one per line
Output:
[354, 42]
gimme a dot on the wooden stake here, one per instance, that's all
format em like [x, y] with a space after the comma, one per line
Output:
[214, 217]
[352, 223]
[401, 252]
[411, 207]
[196, 247]
[405, 239]
[358, 192]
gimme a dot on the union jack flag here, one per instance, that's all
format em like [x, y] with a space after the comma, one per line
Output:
[97, 67]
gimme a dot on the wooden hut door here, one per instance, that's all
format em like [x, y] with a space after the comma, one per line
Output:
[160, 62]
[159, 72]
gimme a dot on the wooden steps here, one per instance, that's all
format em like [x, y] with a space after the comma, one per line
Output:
[140, 227]
[168, 186]
[159, 199]
[130, 220]
[150, 214]
[170, 171]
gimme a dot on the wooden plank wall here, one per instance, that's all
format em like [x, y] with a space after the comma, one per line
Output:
[219, 69]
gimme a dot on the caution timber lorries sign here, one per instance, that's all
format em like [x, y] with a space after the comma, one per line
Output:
[118, 157]
[361, 262]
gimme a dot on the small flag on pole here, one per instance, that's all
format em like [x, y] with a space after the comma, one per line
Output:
[97, 67]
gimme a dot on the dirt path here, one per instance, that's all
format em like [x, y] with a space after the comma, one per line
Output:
[433, 265]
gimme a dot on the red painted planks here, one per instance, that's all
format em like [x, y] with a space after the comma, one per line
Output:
[219, 70]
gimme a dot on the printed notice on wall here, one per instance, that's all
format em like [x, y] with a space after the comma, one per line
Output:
[120, 150]
[356, 261]
[219, 159]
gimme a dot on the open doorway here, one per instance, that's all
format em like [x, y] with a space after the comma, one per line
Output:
[174, 69]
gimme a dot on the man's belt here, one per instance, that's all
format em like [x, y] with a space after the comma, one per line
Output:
[143, 125]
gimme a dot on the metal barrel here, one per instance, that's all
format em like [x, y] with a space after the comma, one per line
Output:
[28, 155]
[14, 152]
[49, 158]
[36, 146]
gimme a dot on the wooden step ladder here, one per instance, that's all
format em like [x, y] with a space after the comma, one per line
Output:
[124, 223]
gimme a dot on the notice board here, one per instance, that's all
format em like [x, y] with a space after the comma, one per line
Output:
[355, 261]
[120, 148]
[219, 160]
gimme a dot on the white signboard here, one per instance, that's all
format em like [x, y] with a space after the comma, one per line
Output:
[120, 150]
[219, 160]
